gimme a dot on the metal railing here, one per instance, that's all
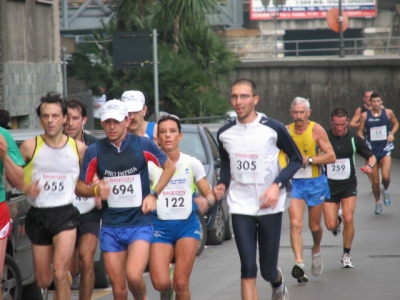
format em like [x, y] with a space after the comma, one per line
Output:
[324, 47]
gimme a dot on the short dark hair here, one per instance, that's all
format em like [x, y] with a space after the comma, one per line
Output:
[339, 112]
[52, 97]
[4, 117]
[77, 104]
[169, 117]
[248, 82]
[375, 95]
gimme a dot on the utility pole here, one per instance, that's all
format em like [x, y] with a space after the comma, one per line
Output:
[340, 20]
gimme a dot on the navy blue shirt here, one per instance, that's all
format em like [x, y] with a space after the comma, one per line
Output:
[106, 160]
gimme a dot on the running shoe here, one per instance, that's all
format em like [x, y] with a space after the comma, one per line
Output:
[386, 198]
[378, 208]
[169, 294]
[76, 281]
[281, 292]
[298, 272]
[337, 229]
[346, 261]
[317, 265]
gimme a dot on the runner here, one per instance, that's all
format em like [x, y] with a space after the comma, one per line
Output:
[379, 126]
[176, 227]
[342, 179]
[82, 263]
[135, 102]
[250, 173]
[52, 168]
[309, 185]
[11, 164]
[355, 120]
[120, 162]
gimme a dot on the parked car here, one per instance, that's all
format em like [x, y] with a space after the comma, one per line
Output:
[18, 274]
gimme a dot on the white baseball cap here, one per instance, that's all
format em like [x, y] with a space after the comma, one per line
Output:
[114, 109]
[134, 100]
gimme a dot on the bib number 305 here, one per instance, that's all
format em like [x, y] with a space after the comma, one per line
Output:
[246, 165]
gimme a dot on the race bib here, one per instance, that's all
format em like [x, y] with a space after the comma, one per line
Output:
[126, 191]
[84, 205]
[339, 170]
[378, 133]
[56, 189]
[248, 168]
[174, 204]
[305, 171]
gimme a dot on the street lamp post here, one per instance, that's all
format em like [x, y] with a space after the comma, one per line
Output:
[275, 15]
[340, 21]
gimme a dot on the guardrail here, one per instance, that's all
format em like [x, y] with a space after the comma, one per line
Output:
[296, 48]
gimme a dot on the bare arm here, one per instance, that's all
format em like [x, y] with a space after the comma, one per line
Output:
[321, 138]
[355, 121]
[361, 126]
[13, 173]
[394, 123]
[149, 202]
[205, 190]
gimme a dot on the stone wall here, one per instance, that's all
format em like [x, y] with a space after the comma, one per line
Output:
[327, 82]
[30, 57]
[25, 83]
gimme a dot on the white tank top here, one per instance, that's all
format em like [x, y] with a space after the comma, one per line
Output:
[176, 199]
[57, 170]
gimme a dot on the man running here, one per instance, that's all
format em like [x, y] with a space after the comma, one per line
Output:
[51, 170]
[355, 120]
[135, 102]
[120, 162]
[11, 163]
[250, 172]
[309, 185]
[342, 179]
[82, 264]
[379, 126]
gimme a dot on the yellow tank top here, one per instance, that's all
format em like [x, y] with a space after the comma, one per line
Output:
[306, 145]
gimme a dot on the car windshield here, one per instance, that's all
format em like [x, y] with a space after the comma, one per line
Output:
[192, 145]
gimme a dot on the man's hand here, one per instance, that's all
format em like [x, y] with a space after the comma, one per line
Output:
[33, 190]
[149, 204]
[366, 169]
[269, 198]
[3, 147]
[103, 189]
[390, 138]
[219, 191]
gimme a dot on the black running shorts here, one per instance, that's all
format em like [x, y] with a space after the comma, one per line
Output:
[42, 224]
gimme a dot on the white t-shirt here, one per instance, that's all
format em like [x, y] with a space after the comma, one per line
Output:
[97, 110]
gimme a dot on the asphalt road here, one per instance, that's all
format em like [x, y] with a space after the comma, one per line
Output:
[375, 254]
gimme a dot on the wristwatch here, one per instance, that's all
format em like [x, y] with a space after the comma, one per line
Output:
[310, 160]
[281, 185]
[371, 166]
[154, 193]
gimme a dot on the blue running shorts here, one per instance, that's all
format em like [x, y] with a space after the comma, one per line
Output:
[379, 154]
[170, 231]
[116, 239]
[313, 190]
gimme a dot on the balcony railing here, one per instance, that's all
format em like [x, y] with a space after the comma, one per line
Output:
[324, 47]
